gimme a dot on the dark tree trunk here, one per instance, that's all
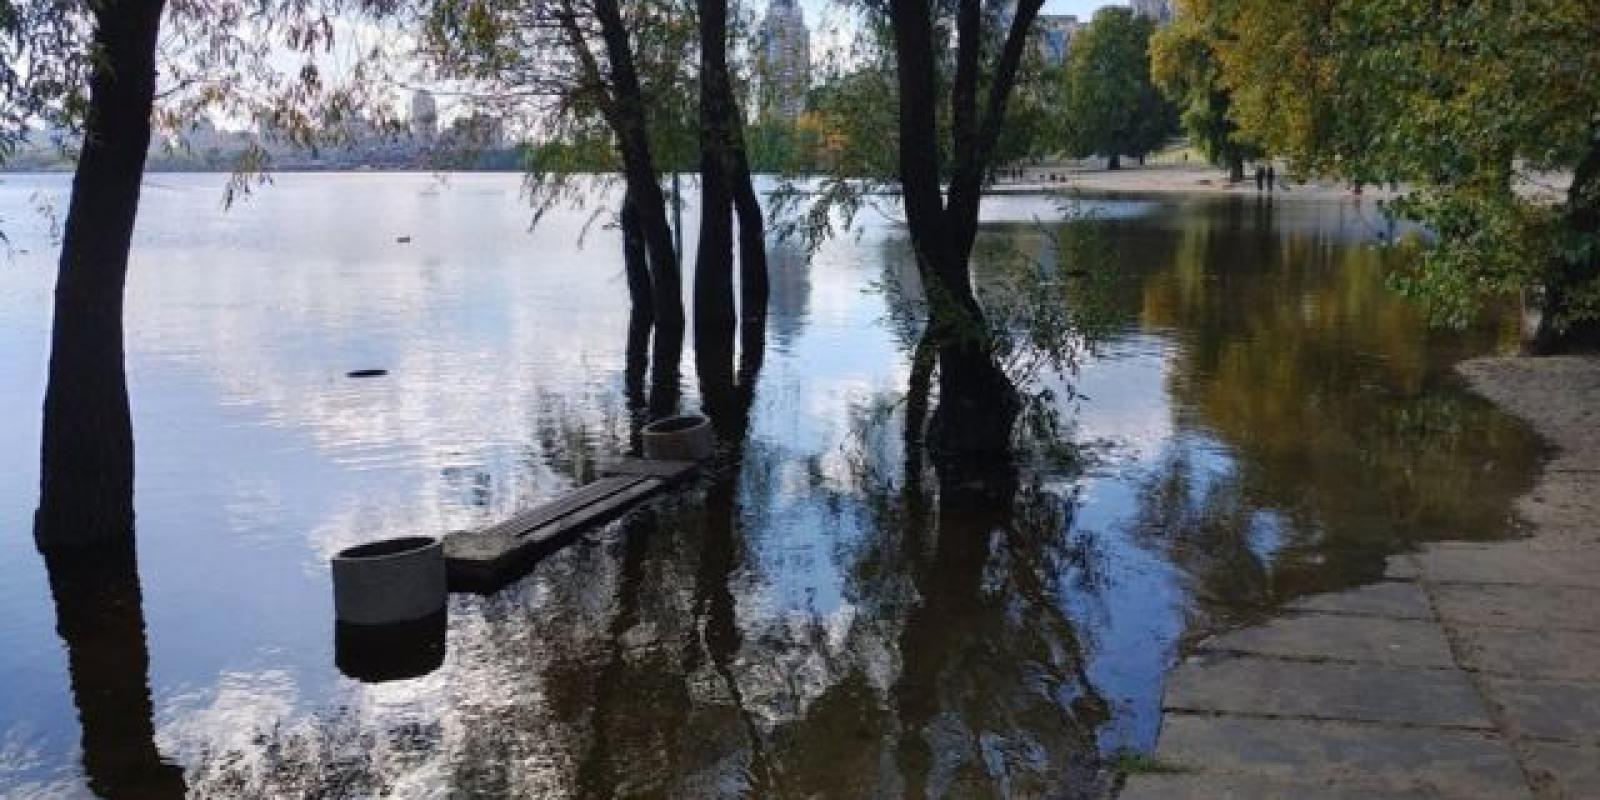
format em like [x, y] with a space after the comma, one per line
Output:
[636, 262]
[1557, 331]
[754, 283]
[714, 317]
[978, 405]
[641, 319]
[1114, 161]
[86, 462]
[1235, 170]
[628, 120]
[100, 618]
[727, 189]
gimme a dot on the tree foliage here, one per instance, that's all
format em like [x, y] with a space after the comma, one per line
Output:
[1184, 66]
[1472, 103]
[1111, 107]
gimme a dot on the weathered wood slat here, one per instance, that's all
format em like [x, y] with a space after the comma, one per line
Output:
[532, 519]
[668, 471]
[486, 559]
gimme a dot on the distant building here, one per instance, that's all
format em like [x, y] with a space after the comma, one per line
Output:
[1053, 34]
[424, 115]
[785, 60]
[1160, 11]
[478, 131]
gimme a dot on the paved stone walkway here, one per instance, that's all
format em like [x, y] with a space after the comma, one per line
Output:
[1472, 671]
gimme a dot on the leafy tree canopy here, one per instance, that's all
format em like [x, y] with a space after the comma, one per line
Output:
[1184, 66]
[1112, 108]
[1471, 102]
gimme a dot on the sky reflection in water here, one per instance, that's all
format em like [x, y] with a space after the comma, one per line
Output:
[1263, 420]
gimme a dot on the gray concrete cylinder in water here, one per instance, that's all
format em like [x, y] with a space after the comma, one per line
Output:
[389, 581]
[683, 438]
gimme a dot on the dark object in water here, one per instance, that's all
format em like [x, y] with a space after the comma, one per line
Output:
[403, 239]
[395, 652]
[366, 373]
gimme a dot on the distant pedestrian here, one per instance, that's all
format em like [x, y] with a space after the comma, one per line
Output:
[1272, 177]
[1261, 178]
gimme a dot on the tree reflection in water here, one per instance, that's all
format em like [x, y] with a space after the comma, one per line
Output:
[100, 618]
[847, 621]
[1348, 433]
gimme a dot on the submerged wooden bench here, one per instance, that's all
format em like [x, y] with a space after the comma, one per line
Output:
[486, 559]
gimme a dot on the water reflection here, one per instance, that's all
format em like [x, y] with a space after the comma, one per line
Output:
[1295, 355]
[100, 618]
[822, 615]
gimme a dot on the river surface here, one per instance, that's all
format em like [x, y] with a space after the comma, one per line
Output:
[1254, 417]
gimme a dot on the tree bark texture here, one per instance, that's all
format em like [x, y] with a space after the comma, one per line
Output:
[978, 405]
[727, 189]
[714, 316]
[624, 108]
[86, 461]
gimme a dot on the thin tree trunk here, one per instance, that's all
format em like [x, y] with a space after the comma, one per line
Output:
[755, 287]
[725, 174]
[641, 319]
[636, 262]
[631, 127]
[714, 317]
[86, 461]
[977, 403]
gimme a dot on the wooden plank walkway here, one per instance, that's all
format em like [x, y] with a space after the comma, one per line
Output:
[484, 560]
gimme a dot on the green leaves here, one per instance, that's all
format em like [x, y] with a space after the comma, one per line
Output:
[1112, 107]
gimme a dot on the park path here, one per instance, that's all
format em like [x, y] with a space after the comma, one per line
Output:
[1471, 671]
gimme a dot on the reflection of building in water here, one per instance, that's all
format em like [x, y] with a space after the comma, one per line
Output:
[791, 291]
[424, 115]
[1159, 10]
[785, 60]
[1053, 35]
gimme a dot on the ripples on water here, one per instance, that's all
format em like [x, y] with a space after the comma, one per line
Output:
[1262, 420]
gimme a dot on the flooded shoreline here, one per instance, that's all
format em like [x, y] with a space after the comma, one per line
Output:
[1259, 419]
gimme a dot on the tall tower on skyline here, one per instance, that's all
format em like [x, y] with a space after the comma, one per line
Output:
[785, 60]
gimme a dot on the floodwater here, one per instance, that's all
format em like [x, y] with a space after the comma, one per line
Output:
[1256, 417]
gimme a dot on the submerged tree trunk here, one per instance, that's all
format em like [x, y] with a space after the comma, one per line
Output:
[86, 461]
[641, 318]
[627, 119]
[978, 405]
[636, 263]
[727, 190]
[754, 283]
[714, 316]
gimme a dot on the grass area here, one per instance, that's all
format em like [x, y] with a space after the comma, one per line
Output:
[1178, 151]
[1129, 762]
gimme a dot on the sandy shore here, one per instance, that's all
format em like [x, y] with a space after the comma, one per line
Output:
[1560, 396]
[1193, 178]
[1168, 179]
